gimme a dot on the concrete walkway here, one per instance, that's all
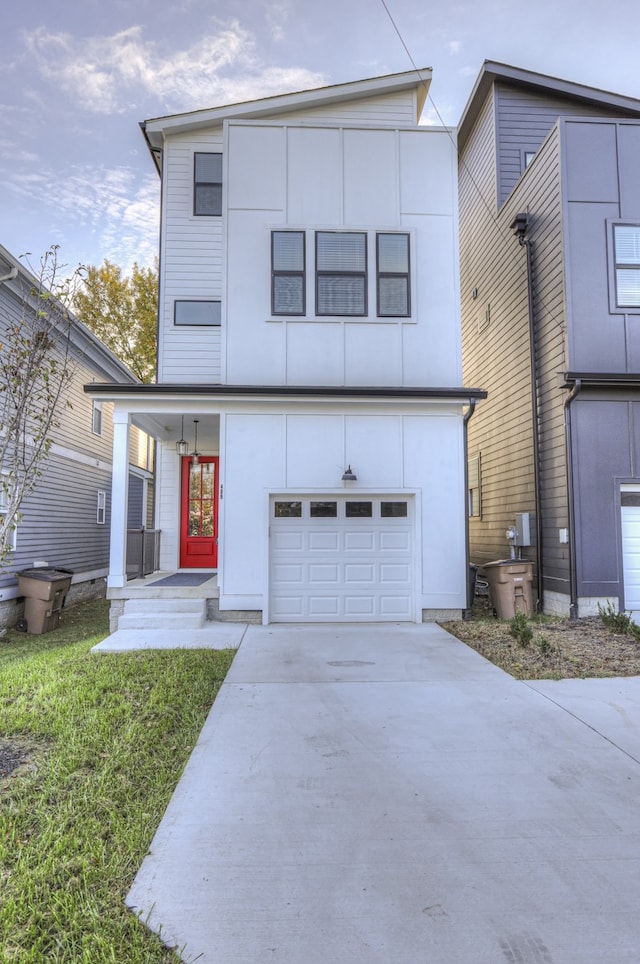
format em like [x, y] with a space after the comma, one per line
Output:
[384, 795]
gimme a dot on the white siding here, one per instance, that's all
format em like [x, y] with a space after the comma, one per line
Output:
[191, 259]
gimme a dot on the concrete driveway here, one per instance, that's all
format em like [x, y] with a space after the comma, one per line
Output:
[381, 794]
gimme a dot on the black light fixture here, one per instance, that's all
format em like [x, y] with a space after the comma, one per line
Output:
[195, 458]
[520, 225]
[349, 475]
[182, 446]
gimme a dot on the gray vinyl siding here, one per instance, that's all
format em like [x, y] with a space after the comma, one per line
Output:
[59, 520]
[59, 517]
[523, 120]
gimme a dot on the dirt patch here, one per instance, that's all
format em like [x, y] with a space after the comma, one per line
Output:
[559, 648]
[18, 756]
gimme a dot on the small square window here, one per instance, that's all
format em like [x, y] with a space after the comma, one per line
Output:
[96, 417]
[393, 510]
[323, 510]
[202, 313]
[358, 510]
[207, 185]
[101, 508]
[287, 510]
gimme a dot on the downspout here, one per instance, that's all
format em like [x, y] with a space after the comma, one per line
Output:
[465, 422]
[13, 273]
[520, 227]
[573, 577]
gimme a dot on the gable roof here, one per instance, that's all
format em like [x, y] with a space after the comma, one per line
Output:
[155, 128]
[492, 71]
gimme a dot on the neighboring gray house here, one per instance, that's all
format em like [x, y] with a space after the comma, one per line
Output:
[65, 519]
[549, 181]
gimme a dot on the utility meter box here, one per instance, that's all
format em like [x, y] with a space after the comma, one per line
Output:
[524, 528]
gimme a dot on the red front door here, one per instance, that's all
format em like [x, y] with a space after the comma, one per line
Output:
[199, 514]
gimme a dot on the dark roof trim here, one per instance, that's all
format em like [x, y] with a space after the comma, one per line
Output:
[492, 71]
[602, 379]
[274, 391]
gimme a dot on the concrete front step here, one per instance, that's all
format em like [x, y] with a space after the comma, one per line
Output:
[174, 614]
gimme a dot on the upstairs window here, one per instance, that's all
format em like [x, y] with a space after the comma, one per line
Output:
[626, 253]
[197, 313]
[287, 273]
[393, 275]
[207, 184]
[341, 273]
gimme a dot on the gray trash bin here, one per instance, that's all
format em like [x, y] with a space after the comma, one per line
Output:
[44, 592]
[510, 587]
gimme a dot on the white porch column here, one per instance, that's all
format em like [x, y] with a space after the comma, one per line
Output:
[119, 493]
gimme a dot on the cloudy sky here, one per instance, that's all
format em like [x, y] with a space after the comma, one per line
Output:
[77, 77]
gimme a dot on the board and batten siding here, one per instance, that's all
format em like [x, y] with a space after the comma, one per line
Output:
[313, 177]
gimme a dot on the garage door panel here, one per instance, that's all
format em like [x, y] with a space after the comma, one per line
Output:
[397, 541]
[288, 573]
[359, 573]
[395, 573]
[323, 573]
[328, 541]
[293, 539]
[359, 541]
[361, 606]
[395, 606]
[324, 605]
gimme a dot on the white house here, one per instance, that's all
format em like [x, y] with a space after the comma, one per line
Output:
[309, 333]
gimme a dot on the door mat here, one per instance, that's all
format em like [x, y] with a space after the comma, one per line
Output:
[183, 579]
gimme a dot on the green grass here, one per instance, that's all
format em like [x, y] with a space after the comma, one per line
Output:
[108, 737]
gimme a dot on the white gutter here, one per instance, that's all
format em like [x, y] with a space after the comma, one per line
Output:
[13, 273]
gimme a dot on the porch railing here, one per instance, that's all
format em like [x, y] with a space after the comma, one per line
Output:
[143, 552]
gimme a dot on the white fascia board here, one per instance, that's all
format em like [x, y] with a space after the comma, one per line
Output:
[157, 128]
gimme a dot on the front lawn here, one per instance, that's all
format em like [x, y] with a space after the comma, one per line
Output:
[91, 748]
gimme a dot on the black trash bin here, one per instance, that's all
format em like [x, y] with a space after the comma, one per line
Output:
[44, 591]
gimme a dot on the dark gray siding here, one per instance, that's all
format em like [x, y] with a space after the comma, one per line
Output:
[602, 184]
[523, 120]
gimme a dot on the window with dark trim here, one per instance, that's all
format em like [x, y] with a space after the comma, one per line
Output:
[201, 313]
[626, 255]
[392, 253]
[207, 184]
[288, 273]
[341, 273]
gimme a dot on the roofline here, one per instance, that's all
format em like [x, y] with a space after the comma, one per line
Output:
[81, 337]
[286, 391]
[155, 127]
[602, 379]
[492, 71]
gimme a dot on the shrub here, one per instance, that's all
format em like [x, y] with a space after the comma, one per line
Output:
[520, 629]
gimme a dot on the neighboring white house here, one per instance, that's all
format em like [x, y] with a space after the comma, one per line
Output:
[309, 332]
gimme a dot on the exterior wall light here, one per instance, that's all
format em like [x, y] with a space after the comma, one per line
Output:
[195, 458]
[182, 446]
[349, 475]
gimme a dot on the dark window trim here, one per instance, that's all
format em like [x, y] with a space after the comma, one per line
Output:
[276, 273]
[197, 184]
[614, 307]
[393, 274]
[196, 324]
[343, 274]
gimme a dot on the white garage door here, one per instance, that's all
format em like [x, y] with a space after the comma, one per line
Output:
[341, 559]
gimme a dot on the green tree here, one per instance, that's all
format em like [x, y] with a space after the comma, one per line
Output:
[122, 311]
